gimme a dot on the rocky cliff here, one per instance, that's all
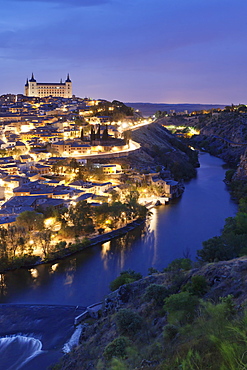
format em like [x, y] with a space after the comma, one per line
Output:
[160, 147]
[158, 340]
[241, 173]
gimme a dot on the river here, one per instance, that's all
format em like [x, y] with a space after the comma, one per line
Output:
[173, 231]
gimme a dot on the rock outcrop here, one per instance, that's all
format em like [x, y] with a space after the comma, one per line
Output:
[223, 279]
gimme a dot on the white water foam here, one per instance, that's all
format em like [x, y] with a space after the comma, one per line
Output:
[74, 340]
[17, 350]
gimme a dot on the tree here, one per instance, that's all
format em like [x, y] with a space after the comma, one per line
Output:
[179, 264]
[126, 277]
[16, 238]
[44, 239]
[97, 135]
[3, 244]
[74, 164]
[157, 293]
[82, 134]
[105, 134]
[30, 220]
[181, 307]
[215, 249]
[159, 114]
[128, 322]
[197, 286]
[117, 348]
[80, 216]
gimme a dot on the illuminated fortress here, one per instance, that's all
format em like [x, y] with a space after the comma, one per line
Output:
[62, 89]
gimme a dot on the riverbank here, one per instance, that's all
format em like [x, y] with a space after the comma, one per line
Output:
[78, 246]
[171, 232]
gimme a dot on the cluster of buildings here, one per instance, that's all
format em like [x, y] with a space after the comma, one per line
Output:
[49, 125]
[30, 186]
[45, 126]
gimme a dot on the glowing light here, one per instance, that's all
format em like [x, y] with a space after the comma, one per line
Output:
[34, 273]
[49, 222]
[105, 248]
[54, 267]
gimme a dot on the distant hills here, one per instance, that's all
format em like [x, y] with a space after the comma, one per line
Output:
[148, 109]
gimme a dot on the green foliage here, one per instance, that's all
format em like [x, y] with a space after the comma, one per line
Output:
[229, 174]
[152, 271]
[243, 205]
[215, 250]
[181, 307]
[170, 332]
[157, 293]
[117, 364]
[60, 245]
[128, 322]
[238, 188]
[233, 241]
[31, 220]
[160, 114]
[197, 286]
[116, 348]
[179, 264]
[192, 361]
[126, 277]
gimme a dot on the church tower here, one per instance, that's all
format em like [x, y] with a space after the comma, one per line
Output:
[68, 87]
[32, 86]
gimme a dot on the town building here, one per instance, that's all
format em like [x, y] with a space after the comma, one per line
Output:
[42, 89]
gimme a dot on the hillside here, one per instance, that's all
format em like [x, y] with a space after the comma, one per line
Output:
[195, 329]
[148, 109]
[160, 148]
[223, 134]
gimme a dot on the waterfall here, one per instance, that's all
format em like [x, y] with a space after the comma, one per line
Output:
[74, 340]
[17, 350]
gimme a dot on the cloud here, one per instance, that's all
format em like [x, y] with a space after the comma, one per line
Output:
[76, 3]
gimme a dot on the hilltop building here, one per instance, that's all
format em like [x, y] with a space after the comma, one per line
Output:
[42, 89]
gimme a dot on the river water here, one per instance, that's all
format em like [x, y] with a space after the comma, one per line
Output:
[173, 231]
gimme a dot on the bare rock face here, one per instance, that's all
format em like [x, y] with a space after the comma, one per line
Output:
[241, 173]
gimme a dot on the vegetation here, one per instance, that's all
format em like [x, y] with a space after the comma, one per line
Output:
[156, 293]
[33, 235]
[128, 321]
[126, 277]
[183, 330]
[232, 242]
[117, 348]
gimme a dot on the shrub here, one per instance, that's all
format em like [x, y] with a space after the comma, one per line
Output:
[179, 264]
[128, 321]
[60, 245]
[116, 348]
[170, 332]
[126, 277]
[197, 286]
[156, 292]
[181, 307]
[152, 270]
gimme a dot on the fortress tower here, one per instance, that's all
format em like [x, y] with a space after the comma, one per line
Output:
[62, 89]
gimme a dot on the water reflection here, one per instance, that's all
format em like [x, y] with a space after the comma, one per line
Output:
[3, 286]
[85, 277]
[34, 273]
[105, 251]
[54, 267]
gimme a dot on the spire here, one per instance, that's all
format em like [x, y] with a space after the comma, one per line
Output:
[68, 79]
[61, 81]
[26, 83]
[32, 78]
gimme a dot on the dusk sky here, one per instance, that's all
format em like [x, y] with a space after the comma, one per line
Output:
[164, 51]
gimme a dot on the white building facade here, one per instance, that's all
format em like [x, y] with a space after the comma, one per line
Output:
[37, 89]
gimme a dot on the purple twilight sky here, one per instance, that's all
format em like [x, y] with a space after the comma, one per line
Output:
[164, 51]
